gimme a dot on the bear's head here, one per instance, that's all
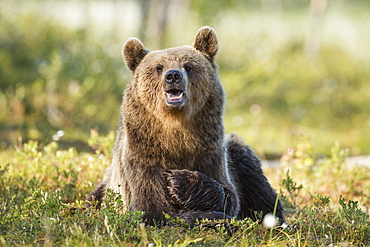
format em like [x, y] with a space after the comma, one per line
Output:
[175, 81]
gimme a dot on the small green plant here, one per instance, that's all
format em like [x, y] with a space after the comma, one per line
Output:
[352, 212]
[176, 221]
[321, 201]
[291, 187]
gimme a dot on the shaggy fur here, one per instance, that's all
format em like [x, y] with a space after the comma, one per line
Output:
[171, 154]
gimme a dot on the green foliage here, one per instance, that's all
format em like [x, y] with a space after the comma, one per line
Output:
[322, 200]
[101, 144]
[206, 11]
[35, 167]
[55, 77]
[321, 97]
[328, 227]
[352, 212]
[291, 187]
[43, 194]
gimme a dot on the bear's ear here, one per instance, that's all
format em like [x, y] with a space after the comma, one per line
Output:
[133, 52]
[206, 42]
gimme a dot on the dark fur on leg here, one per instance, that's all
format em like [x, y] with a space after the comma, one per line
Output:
[255, 192]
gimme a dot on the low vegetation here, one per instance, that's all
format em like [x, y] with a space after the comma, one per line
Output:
[43, 189]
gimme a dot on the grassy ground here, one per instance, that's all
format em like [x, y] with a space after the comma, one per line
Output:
[43, 188]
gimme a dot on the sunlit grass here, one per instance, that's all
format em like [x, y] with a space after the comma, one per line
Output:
[43, 190]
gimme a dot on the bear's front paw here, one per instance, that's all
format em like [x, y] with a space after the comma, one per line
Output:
[192, 190]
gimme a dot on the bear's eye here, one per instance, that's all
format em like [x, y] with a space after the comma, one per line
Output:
[159, 69]
[187, 68]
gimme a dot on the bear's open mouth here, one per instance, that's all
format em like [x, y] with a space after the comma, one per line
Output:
[175, 97]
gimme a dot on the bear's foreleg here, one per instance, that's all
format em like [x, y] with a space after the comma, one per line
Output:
[194, 191]
[148, 192]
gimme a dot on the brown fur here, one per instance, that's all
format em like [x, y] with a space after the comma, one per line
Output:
[172, 157]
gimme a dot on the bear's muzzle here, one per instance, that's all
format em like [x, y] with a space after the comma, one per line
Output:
[175, 88]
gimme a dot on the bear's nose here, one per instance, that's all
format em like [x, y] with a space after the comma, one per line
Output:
[173, 76]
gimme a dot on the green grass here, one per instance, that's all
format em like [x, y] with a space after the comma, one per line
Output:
[43, 188]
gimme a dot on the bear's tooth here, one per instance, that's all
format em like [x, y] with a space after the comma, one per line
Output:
[175, 96]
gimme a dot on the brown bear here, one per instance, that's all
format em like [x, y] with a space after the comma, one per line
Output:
[171, 155]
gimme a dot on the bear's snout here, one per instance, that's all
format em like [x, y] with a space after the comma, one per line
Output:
[173, 77]
[175, 88]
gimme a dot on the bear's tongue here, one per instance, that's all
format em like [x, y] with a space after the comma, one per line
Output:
[174, 96]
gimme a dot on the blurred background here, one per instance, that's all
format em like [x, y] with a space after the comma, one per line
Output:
[291, 69]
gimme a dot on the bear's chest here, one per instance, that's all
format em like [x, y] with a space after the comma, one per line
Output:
[171, 148]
